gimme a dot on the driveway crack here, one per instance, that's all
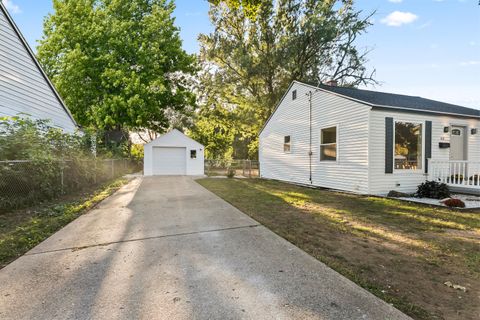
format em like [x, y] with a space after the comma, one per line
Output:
[140, 239]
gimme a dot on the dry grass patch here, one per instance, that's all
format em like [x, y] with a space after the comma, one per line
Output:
[399, 251]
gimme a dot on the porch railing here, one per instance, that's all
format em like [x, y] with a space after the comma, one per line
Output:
[455, 172]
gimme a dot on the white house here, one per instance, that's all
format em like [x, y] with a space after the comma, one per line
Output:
[24, 86]
[173, 154]
[369, 142]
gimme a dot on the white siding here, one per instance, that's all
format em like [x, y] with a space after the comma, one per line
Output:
[403, 180]
[175, 139]
[349, 172]
[23, 89]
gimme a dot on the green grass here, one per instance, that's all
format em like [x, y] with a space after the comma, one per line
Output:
[22, 230]
[402, 252]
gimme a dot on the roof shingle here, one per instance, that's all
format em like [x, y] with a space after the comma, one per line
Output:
[383, 99]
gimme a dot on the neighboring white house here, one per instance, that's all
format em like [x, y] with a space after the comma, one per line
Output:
[369, 142]
[173, 154]
[24, 86]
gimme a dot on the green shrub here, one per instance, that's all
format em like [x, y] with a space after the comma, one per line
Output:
[433, 189]
[231, 172]
[47, 162]
[136, 152]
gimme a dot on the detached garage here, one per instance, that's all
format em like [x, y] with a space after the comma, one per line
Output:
[173, 154]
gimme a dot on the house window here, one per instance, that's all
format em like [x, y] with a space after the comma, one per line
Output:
[193, 154]
[294, 94]
[456, 132]
[287, 147]
[328, 144]
[408, 146]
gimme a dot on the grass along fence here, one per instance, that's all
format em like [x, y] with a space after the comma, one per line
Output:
[25, 182]
[245, 168]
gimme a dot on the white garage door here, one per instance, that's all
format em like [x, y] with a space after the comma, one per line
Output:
[169, 161]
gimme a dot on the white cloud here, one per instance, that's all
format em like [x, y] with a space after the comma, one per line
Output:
[425, 25]
[395, 1]
[399, 18]
[12, 7]
[470, 63]
[472, 43]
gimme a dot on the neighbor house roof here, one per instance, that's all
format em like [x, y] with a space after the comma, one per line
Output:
[400, 101]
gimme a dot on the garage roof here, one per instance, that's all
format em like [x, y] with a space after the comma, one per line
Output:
[173, 134]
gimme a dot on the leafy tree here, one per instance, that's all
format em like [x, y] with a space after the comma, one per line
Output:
[251, 7]
[214, 130]
[119, 64]
[248, 63]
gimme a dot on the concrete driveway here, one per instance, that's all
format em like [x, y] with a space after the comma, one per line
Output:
[166, 248]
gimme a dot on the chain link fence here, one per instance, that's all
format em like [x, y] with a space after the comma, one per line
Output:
[26, 182]
[241, 168]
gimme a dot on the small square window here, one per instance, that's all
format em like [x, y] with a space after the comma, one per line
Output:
[294, 94]
[286, 144]
[193, 154]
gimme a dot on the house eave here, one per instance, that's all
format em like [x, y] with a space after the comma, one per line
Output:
[276, 107]
[451, 114]
[37, 63]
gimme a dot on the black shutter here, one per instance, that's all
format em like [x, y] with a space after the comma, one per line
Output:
[428, 143]
[388, 145]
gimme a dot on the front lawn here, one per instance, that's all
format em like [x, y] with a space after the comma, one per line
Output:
[401, 252]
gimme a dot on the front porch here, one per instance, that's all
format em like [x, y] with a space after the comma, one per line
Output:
[459, 175]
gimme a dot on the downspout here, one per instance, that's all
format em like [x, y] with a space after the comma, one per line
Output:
[310, 153]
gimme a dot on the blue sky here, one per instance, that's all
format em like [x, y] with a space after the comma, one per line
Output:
[429, 48]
